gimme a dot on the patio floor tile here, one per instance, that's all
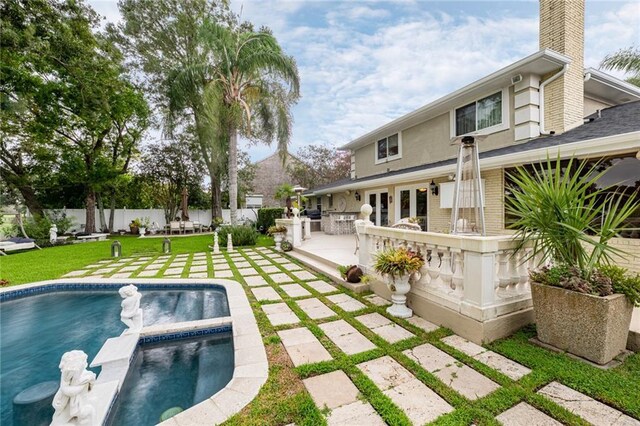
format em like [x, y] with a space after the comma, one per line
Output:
[295, 290]
[280, 314]
[198, 268]
[265, 293]
[322, 287]
[121, 275]
[452, 372]
[384, 327]
[595, 412]
[376, 300]
[523, 414]
[331, 390]
[303, 275]
[303, 347]
[262, 262]
[255, 281]
[271, 269]
[346, 337]
[173, 271]
[247, 271]
[148, 273]
[423, 324]
[222, 267]
[346, 302]
[223, 274]
[280, 278]
[356, 413]
[242, 265]
[198, 275]
[315, 309]
[291, 266]
[77, 273]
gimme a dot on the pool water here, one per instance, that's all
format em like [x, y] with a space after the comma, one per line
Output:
[163, 376]
[35, 331]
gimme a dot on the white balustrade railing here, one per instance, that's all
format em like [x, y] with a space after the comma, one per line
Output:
[481, 277]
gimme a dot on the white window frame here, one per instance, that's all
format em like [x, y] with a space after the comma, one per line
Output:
[487, 130]
[388, 158]
[412, 200]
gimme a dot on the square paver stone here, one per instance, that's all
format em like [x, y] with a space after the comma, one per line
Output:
[198, 275]
[356, 413]
[270, 269]
[222, 267]
[346, 337]
[178, 265]
[374, 299]
[463, 345]
[265, 293]
[130, 268]
[262, 262]
[216, 260]
[302, 346]
[198, 262]
[255, 281]
[223, 274]
[247, 271]
[104, 270]
[198, 268]
[594, 412]
[384, 327]
[322, 287]
[152, 273]
[346, 302]
[76, 273]
[173, 271]
[291, 266]
[280, 314]
[280, 278]
[331, 390]
[154, 267]
[523, 414]
[121, 275]
[315, 309]
[242, 265]
[423, 324]
[295, 290]
[303, 275]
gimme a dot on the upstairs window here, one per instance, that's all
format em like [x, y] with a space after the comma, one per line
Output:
[388, 148]
[481, 114]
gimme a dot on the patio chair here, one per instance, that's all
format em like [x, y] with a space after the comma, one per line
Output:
[197, 226]
[174, 226]
[405, 224]
[188, 226]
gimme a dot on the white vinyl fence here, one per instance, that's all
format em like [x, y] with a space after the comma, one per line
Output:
[123, 217]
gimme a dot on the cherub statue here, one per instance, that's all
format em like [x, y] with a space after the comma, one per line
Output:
[131, 313]
[71, 402]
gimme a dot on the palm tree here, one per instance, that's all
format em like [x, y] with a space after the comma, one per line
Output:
[627, 60]
[254, 85]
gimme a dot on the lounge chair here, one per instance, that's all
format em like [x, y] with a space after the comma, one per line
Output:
[174, 226]
[17, 243]
[405, 224]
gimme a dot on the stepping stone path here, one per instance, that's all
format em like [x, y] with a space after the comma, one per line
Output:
[378, 301]
[421, 404]
[423, 324]
[346, 337]
[271, 269]
[223, 274]
[315, 309]
[523, 414]
[336, 392]
[303, 275]
[463, 379]
[280, 314]
[255, 281]
[265, 293]
[509, 368]
[384, 327]
[321, 287]
[247, 271]
[586, 407]
[303, 347]
[295, 290]
[346, 302]
[281, 278]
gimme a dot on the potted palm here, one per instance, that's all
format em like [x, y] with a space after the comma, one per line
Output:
[397, 265]
[565, 220]
[278, 233]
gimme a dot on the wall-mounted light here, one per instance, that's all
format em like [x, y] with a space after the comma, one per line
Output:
[433, 187]
[329, 195]
[422, 189]
[357, 195]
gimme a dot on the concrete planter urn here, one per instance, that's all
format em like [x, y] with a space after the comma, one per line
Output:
[399, 287]
[142, 231]
[592, 327]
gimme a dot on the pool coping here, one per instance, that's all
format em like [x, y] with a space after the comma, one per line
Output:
[251, 367]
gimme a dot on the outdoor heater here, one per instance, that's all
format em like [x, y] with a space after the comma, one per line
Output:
[467, 213]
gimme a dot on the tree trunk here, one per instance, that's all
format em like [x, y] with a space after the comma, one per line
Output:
[103, 222]
[31, 201]
[233, 174]
[112, 210]
[216, 198]
[90, 206]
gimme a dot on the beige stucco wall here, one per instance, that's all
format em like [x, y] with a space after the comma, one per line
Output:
[592, 105]
[428, 142]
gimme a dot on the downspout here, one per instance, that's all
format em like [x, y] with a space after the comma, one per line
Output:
[541, 90]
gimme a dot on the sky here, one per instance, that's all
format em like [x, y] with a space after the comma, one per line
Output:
[365, 63]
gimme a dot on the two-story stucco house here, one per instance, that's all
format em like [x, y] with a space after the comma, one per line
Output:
[544, 104]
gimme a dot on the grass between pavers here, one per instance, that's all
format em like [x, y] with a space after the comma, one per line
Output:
[53, 262]
[283, 399]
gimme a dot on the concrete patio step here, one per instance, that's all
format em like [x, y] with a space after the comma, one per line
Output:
[326, 267]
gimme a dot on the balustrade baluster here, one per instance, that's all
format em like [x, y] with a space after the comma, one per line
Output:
[446, 274]
[457, 281]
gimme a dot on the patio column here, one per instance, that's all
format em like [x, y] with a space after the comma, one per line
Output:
[479, 285]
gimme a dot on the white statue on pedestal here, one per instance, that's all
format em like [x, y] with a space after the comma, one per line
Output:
[71, 402]
[229, 243]
[53, 233]
[216, 246]
[131, 313]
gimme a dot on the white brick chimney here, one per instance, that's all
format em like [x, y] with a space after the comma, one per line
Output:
[562, 30]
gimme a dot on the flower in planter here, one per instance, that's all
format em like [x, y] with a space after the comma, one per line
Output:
[277, 229]
[397, 263]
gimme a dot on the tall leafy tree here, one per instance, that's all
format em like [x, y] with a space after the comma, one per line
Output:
[318, 165]
[253, 87]
[627, 60]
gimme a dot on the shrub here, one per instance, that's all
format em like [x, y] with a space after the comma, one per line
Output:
[240, 235]
[267, 217]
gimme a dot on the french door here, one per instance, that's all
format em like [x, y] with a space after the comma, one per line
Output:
[412, 201]
[379, 200]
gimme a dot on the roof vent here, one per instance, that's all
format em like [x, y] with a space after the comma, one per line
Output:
[516, 79]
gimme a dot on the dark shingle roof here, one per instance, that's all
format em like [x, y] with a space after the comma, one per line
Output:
[615, 120]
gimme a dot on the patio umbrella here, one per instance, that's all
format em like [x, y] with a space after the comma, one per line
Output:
[184, 205]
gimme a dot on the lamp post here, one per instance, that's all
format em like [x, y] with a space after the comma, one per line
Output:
[299, 190]
[116, 249]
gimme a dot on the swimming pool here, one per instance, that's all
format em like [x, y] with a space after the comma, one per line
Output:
[36, 330]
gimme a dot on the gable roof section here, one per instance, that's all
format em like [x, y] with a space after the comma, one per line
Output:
[617, 120]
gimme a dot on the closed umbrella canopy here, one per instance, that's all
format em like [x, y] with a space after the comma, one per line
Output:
[184, 205]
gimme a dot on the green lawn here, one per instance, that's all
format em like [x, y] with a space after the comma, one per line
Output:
[53, 262]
